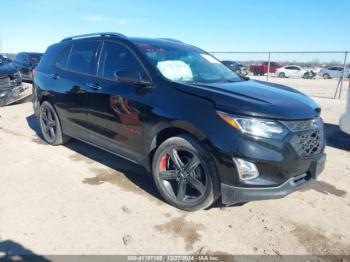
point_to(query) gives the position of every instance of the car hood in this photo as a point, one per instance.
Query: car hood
(256, 98)
(7, 69)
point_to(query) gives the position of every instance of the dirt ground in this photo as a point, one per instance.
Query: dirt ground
(76, 199)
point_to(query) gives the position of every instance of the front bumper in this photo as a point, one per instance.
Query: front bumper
(234, 194)
(14, 94)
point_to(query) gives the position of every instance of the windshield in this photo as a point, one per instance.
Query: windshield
(3, 60)
(183, 63)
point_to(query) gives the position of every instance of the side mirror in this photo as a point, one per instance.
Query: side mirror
(132, 77)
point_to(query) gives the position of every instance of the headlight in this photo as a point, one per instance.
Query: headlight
(3, 94)
(255, 126)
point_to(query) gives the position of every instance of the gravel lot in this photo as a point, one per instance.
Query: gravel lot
(76, 199)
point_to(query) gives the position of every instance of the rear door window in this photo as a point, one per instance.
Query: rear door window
(82, 57)
(35, 59)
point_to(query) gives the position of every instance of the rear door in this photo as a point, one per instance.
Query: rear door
(117, 108)
(75, 66)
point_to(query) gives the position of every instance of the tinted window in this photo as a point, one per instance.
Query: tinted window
(25, 59)
(82, 56)
(62, 58)
(35, 59)
(19, 57)
(115, 57)
(4, 60)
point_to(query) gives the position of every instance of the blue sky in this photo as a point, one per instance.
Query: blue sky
(221, 25)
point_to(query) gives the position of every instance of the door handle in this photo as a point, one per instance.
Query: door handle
(94, 86)
(54, 76)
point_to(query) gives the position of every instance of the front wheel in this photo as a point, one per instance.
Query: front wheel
(50, 125)
(184, 174)
(307, 75)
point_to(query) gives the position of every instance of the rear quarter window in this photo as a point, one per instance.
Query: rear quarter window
(48, 58)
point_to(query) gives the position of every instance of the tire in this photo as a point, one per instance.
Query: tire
(306, 75)
(349, 77)
(186, 186)
(50, 125)
(282, 75)
(325, 76)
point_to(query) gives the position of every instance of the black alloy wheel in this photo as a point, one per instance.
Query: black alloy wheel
(50, 125)
(184, 175)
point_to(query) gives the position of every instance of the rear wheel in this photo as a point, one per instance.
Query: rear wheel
(184, 174)
(50, 125)
(326, 76)
(282, 75)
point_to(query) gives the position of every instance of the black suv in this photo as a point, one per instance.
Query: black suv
(236, 67)
(202, 130)
(25, 63)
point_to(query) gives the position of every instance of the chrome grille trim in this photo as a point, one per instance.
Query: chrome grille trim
(303, 125)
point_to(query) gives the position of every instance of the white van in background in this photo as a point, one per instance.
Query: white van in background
(344, 122)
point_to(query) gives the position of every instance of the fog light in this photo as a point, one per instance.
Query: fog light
(246, 170)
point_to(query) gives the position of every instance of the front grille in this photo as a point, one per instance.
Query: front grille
(310, 141)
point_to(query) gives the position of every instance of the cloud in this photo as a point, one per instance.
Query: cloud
(120, 21)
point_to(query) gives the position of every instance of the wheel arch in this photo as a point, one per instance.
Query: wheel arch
(162, 132)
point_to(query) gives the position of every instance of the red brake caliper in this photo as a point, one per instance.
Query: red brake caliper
(163, 162)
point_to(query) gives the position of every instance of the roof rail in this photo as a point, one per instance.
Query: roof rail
(105, 34)
(172, 40)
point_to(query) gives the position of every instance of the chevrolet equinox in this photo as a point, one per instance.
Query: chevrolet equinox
(202, 131)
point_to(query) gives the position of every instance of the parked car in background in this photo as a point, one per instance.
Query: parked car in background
(293, 71)
(236, 67)
(4, 59)
(261, 68)
(334, 72)
(344, 122)
(25, 63)
(198, 127)
(10, 82)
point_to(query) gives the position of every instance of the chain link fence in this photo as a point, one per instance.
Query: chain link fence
(330, 69)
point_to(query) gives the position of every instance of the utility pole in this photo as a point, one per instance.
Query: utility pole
(343, 75)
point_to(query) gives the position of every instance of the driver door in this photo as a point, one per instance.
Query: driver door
(117, 109)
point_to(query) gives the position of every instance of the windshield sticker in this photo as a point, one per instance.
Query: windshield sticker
(210, 59)
(175, 70)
